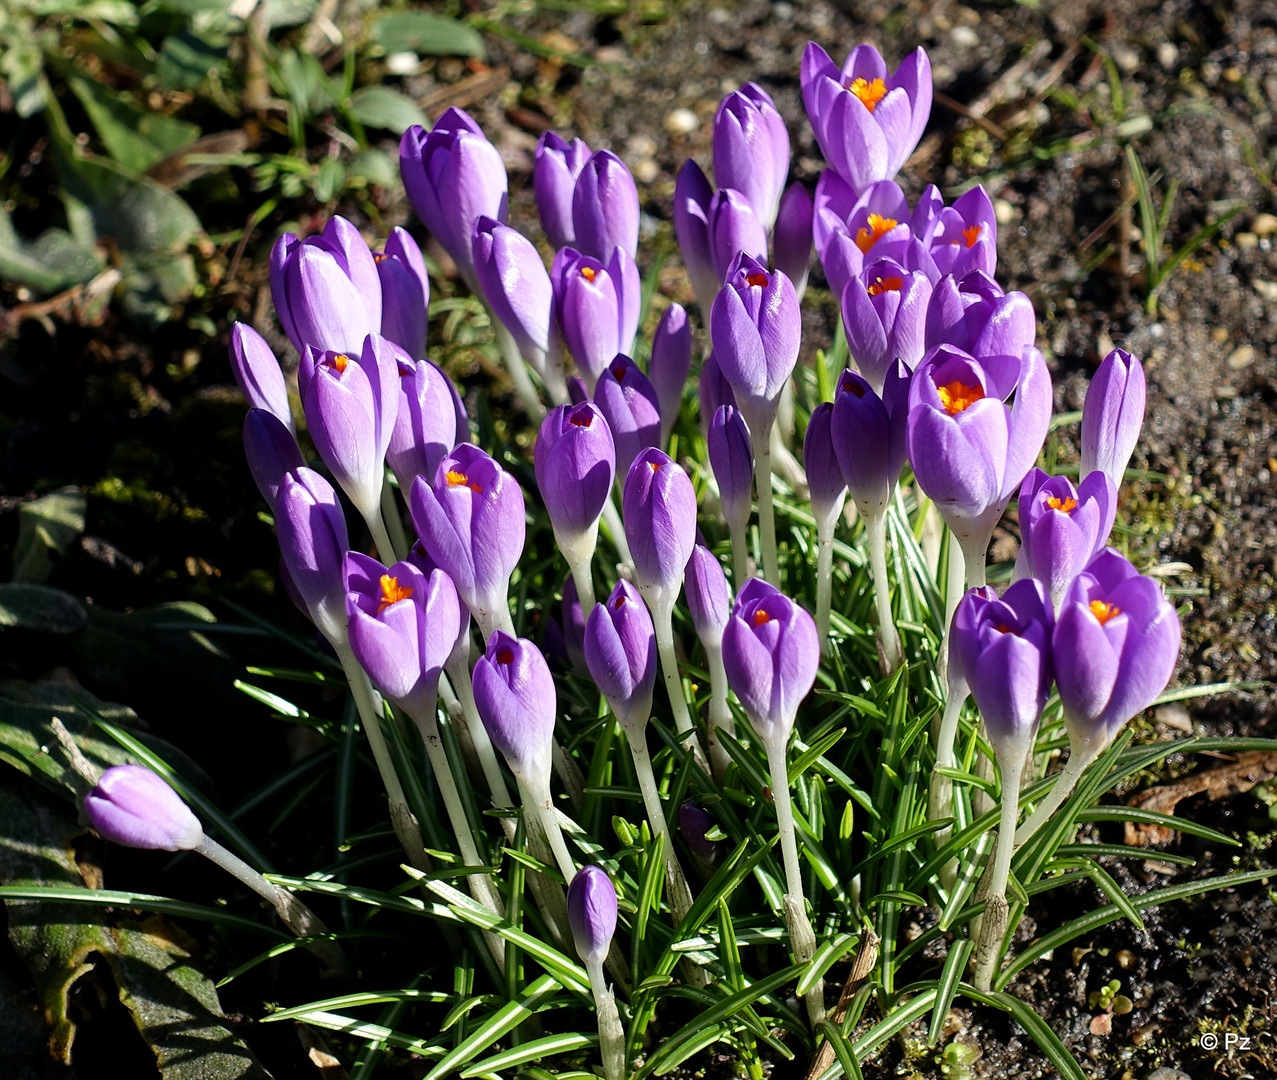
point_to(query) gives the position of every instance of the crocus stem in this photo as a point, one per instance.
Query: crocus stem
(941, 788)
(401, 819)
(876, 527)
(615, 528)
(1064, 785)
(380, 537)
(543, 806)
(954, 586)
(680, 894)
(518, 369)
(973, 557)
(459, 674)
(766, 515)
(578, 549)
(496, 618)
(394, 523)
(740, 554)
(663, 622)
(994, 924)
(611, 1034)
(824, 578)
(720, 714)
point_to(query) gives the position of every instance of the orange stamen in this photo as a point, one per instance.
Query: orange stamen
(869, 93)
(1103, 611)
(588, 272)
(761, 617)
(391, 592)
(339, 362)
(1004, 629)
(757, 279)
(879, 226)
(582, 421)
(655, 465)
(970, 235)
(460, 479)
(882, 285)
(1066, 504)
(378, 256)
(957, 396)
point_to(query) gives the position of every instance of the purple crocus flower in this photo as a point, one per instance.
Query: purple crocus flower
(259, 375)
(597, 308)
(692, 196)
(425, 422)
(1062, 527)
(849, 231)
(575, 460)
(454, 176)
(471, 521)
(771, 652)
(792, 238)
(751, 149)
(732, 459)
(419, 558)
(1115, 643)
(405, 292)
(974, 315)
(605, 208)
(734, 228)
(326, 288)
(694, 824)
(137, 808)
(514, 694)
(629, 403)
(517, 285)
(925, 219)
(351, 403)
(708, 601)
(866, 121)
(592, 913)
(557, 165)
(669, 365)
(883, 313)
(1112, 415)
(713, 391)
(620, 652)
(312, 544)
(868, 437)
(659, 510)
(964, 236)
(824, 475)
(271, 451)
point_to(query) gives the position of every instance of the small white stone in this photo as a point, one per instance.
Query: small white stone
(646, 170)
(402, 63)
(641, 146)
(963, 37)
(1264, 224)
(1167, 55)
(1241, 357)
(681, 122)
(1127, 60)
(1003, 212)
(1268, 290)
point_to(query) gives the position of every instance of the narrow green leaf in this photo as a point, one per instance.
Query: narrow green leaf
(1047, 1040)
(842, 1049)
(828, 954)
(533, 1051)
(1113, 891)
(1151, 817)
(498, 1024)
(351, 1001)
(950, 975)
(1121, 851)
(358, 1029)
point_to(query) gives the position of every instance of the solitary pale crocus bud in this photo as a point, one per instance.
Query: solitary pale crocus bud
(605, 208)
(824, 476)
(312, 544)
(596, 307)
(628, 401)
(558, 163)
(454, 176)
(669, 365)
(884, 312)
(1062, 527)
(732, 460)
(271, 451)
(792, 239)
(694, 823)
(514, 693)
(259, 374)
(1112, 415)
(659, 508)
(734, 228)
(866, 121)
(137, 808)
(751, 149)
(692, 195)
(425, 428)
(965, 235)
(974, 315)
(708, 602)
(405, 292)
(868, 437)
(851, 230)
(575, 462)
(592, 913)
(771, 653)
(620, 652)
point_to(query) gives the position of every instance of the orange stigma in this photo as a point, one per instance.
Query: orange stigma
(588, 272)
(378, 256)
(758, 279)
(970, 236)
(882, 285)
(582, 421)
(1103, 611)
(1065, 504)
(869, 92)
(620, 603)
(391, 592)
(460, 479)
(956, 396)
(850, 386)
(505, 656)
(339, 361)
(1004, 629)
(618, 372)
(879, 226)
(655, 465)
(761, 617)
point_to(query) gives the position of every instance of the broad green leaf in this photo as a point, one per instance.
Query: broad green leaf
(46, 528)
(427, 35)
(137, 138)
(54, 261)
(386, 107)
(38, 607)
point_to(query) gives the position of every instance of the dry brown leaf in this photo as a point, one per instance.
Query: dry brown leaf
(1235, 778)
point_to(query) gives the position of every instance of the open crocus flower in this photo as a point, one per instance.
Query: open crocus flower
(1062, 527)
(866, 121)
(558, 164)
(405, 292)
(964, 236)
(751, 149)
(884, 310)
(596, 307)
(1113, 414)
(850, 231)
(976, 316)
(629, 403)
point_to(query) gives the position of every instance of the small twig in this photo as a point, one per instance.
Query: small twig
(865, 960)
(996, 130)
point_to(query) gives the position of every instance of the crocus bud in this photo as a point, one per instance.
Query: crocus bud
(575, 461)
(965, 235)
(850, 230)
(454, 176)
(596, 307)
(884, 311)
(868, 436)
(517, 285)
(925, 219)
(659, 509)
(578, 392)
(326, 288)
(692, 195)
(271, 451)
(1115, 646)
(1112, 415)
(1062, 527)
(592, 913)
(136, 808)
(732, 459)
(824, 476)
(694, 823)
(751, 149)
(405, 292)
(558, 163)
(620, 652)
(974, 315)
(471, 521)
(708, 601)
(756, 327)
(792, 239)
(605, 208)
(734, 229)
(669, 365)
(425, 422)
(713, 392)
(771, 652)
(514, 694)
(866, 122)
(628, 401)
(312, 544)
(259, 375)
(351, 402)
(966, 616)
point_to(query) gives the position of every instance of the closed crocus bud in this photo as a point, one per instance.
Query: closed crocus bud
(405, 292)
(963, 638)
(792, 239)
(351, 402)
(517, 285)
(592, 913)
(271, 451)
(713, 391)
(596, 308)
(620, 652)
(756, 327)
(605, 208)
(734, 228)
(868, 436)
(259, 375)
(514, 694)
(732, 459)
(925, 219)
(1115, 646)
(454, 176)
(558, 163)
(694, 823)
(659, 509)
(1112, 415)
(771, 652)
(866, 121)
(824, 476)
(669, 365)
(471, 521)
(1062, 527)
(575, 461)
(974, 315)
(692, 196)
(136, 808)
(851, 230)
(628, 401)
(751, 149)
(970, 451)
(965, 235)
(425, 428)
(884, 312)
(578, 392)
(708, 602)
(312, 544)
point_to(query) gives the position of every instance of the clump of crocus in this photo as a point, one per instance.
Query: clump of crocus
(628, 400)
(259, 375)
(592, 912)
(732, 460)
(1115, 644)
(596, 306)
(710, 606)
(1062, 527)
(828, 493)
(1112, 415)
(669, 364)
(771, 653)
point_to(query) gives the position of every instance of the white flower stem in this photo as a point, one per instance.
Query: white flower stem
(380, 537)
(973, 557)
(876, 527)
(615, 528)
(611, 1034)
(941, 788)
(663, 622)
(579, 553)
(720, 713)
(766, 514)
(543, 807)
(680, 894)
(1064, 785)
(393, 521)
(955, 585)
(518, 369)
(824, 578)
(993, 925)
(740, 552)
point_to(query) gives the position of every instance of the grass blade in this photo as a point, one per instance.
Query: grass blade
(950, 975)
(533, 1051)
